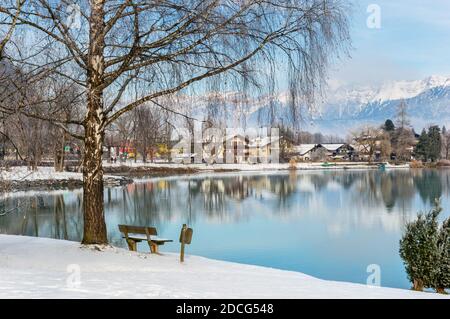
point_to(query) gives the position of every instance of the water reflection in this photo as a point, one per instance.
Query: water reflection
(298, 220)
(216, 198)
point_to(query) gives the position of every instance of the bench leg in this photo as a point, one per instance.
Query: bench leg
(153, 248)
(132, 245)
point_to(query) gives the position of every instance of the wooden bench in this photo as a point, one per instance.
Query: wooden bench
(136, 234)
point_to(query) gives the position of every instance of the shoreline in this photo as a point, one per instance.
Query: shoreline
(39, 268)
(45, 178)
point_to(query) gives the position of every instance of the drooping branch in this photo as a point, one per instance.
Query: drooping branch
(175, 45)
(9, 33)
(184, 84)
(13, 145)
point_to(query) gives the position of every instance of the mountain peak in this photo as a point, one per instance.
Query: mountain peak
(437, 80)
(390, 90)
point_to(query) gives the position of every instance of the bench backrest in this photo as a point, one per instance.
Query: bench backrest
(129, 229)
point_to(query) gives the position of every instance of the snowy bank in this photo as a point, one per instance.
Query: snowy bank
(248, 167)
(19, 177)
(16, 173)
(47, 268)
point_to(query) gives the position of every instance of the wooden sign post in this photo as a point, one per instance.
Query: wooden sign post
(185, 238)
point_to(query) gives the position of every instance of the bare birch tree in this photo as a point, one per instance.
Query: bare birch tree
(168, 48)
(9, 16)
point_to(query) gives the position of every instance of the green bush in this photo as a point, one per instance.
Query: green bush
(422, 249)
(442, 280)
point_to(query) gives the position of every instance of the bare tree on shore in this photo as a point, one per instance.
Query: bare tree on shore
(403, 136)
(104, 47)
(149, 130)
(9, 16)
(370, 140)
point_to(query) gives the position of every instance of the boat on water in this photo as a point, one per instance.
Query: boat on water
(326, 164)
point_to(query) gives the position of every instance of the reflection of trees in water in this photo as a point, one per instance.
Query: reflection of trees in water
(397, 189)
(217, 192)
(392, 188)
(320, 181)
(143, 208)
(445, 178)
(284, 187)
(45, 216)
(156, 202)
(429, 184)
(60, 217)
(346, 180)
(147, 203)
(366, 188)
(208, 193)
(142, 204)
(213, 193)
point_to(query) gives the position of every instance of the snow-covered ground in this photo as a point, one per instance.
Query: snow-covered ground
(22, 173)
(42, 173)
(47, 268)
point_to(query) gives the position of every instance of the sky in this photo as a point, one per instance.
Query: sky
(412, 43)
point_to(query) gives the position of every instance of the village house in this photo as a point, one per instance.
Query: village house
(303, 152)
(239, 151)
(332, 151)
(237, 145)
(237, 148)
(262, 149)
(341, 151)
(234, 149)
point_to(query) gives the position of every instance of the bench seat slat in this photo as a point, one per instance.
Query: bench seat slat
(144, 237)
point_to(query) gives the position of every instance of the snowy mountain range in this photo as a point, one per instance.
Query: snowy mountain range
(349, 107)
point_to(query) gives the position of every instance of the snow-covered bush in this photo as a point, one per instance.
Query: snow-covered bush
(418, 249)
(442, 280)
(425, 250)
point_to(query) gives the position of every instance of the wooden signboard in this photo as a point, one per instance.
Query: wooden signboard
(185, 238)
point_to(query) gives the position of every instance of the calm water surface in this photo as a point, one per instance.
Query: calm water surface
(329, 224)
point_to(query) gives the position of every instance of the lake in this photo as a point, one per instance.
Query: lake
(328, 224)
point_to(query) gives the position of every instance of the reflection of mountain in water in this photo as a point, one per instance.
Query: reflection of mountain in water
(339, 199)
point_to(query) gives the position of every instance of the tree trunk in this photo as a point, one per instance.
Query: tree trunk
(59, 154)
(109, 154)
(441, 291)
(63, 152)
(56, 157)
(418, 285)
(94, 217)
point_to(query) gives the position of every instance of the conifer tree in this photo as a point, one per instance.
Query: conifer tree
(389, 126)
(418, 249)
(442, 281)
(422, 146)
(434, 143)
